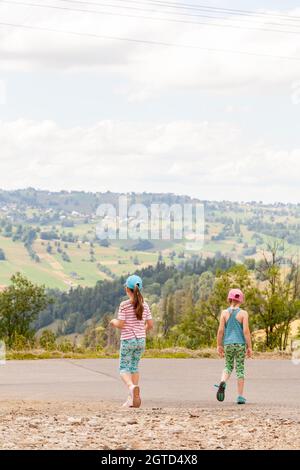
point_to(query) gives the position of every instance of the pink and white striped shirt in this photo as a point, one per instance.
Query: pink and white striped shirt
(133, 328)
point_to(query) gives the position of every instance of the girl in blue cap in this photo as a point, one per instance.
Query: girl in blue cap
(134, 320)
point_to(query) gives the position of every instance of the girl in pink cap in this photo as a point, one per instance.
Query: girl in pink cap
(234, 342)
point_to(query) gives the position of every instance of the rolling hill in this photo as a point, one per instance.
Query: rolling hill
(51, 237)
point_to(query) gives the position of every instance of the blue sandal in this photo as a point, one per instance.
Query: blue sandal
(221, 391)
(241, 400)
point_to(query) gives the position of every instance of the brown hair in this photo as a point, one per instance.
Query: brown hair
(138, 302)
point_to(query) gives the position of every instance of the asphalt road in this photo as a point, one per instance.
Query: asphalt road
(165, 382)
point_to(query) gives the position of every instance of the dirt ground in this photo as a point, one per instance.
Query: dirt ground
(106, 426)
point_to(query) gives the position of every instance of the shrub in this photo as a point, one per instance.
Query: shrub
(48, 340)
(21, 343)
(65, 346)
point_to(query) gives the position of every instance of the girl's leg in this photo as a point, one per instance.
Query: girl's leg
(240, 368)
(136, 357)
(240, 386)
(125, 363)
(127, 379)
(229, 362)
(225, 376)
(135, 378)
(130, 354)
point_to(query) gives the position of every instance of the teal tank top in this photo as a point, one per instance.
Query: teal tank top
(234, 333)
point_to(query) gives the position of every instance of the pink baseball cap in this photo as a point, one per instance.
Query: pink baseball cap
(236, 294)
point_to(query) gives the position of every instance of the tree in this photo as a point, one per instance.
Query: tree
(237, 227)
(136, 261)
(237, 276)
(250, 264)
(189, 332)
(48, 340)
(20, 304)
(199, 322)
(142, 245)
(65, 257)
(96, 337)
(206, 284)
(105, 243)
(73, 323)
(279, 302)
(49, 235)
(169, 314)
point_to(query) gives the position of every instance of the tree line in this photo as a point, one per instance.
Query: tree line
(186, 302)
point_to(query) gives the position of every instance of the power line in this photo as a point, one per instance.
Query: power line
(148, 42)
(193, 15)
(148, 17)
(195, 7)
(233, 11)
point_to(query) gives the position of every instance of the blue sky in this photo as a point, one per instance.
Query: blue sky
(80, 113)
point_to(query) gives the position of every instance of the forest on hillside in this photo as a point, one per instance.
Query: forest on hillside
(50, 240)
(51, 237)
(186, 302)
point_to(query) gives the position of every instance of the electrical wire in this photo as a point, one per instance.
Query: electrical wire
(197, 7)
(129, 7)
(147, 42)
(209, 24)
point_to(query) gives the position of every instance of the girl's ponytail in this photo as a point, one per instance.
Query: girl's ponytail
(138, 302)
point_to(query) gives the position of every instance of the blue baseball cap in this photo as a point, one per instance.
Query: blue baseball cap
(133, 281)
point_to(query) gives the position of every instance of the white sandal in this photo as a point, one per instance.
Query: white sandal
(135, 394)
(128, 403)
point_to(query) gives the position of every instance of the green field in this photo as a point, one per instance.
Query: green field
(83, 261)
(53, 271)
(17, 259)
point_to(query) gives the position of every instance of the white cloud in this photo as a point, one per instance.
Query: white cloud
(26, 50)
(212, 160)
(199, 158)
(152, 69)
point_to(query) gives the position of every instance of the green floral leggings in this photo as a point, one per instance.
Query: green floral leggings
(235, 352)
(131, 351)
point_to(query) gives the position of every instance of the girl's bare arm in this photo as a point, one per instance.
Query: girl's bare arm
(247, 333)
(117, 323)
(220, 335)
(149, 325)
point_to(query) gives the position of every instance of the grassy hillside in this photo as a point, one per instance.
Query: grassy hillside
(72, 255)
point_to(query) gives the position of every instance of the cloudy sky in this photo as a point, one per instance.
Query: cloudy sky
(145, 95)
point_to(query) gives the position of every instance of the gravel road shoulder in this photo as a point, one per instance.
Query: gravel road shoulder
(103, 425)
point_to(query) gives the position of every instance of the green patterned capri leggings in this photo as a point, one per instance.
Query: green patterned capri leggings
(235, 352)
(131, 351)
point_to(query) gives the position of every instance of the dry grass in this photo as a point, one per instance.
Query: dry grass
(168, 353)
